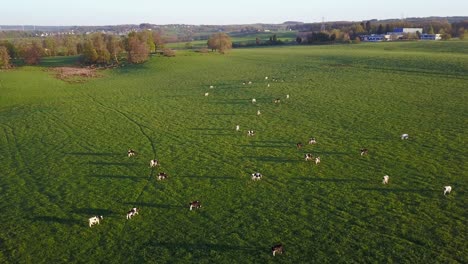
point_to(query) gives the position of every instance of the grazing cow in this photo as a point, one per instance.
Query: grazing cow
(250, 133)
(317, 160)
(162, 176)
(404, 136)
(195, 204)
(299, 145)
(268, 85)
(154, 163)
(254, 101)
(211, 86)
(256, 176)
(95, 220)
(277, 249)
(132, 212)
(249, 82)
(243, 83)
(206, 94)
(312, 141)
(266, 78)
(364, 151)
(277, 100)
(385, 179)
(131, 153)
(258, 112)
(287, 96)
(308, 156)
(448, 189)
(237, 127)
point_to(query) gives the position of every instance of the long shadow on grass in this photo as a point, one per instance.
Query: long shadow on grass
(209, 177)
(54, 219)
(108, 154)
(100, 163)
(208, 247)
(335, 180)
(154, 205)
(122, 177)
(390, 190)
(93, 211)
(272, 159)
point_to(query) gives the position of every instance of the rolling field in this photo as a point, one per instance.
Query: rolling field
(63, 158)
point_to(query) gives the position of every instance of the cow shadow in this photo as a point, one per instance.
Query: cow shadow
(209, 247)
(122, 177)
(93, 211)
(102, 154)
(273, 159)
(101, 163)
(155, 205)
(54, 219)
(209, 177)
(393, 190)
(333, 180)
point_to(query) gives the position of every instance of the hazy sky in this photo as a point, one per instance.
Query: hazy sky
(112, 12)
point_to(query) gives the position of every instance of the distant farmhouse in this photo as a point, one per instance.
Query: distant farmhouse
(400, 33)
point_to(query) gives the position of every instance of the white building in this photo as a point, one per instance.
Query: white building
(431, 37)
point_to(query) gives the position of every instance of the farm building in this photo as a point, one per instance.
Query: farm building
(375, 37)
(431, 37)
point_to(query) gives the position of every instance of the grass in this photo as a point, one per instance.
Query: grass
(63, 152)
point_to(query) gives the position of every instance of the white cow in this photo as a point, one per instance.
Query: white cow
(154, 163)
(287, 96)
(268, 85)
(448, 189)
(206, 94)
(256, 176)
(404, 136)
(258, 112)
(249, 82)
(132, 212)
(385, 179)
(266, 78)
(254, 100)
(95, 220)
(211, 86)
(317, 160)
(237, 127)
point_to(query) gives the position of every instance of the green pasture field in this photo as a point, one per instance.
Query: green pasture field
(63, 152)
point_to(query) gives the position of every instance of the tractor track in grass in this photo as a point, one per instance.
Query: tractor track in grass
(131, 120)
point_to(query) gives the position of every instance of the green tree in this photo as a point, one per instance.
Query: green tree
(220, 42)
(4, 58)
(387, 28)
(90, 55)
(50, 46)
(380, 29)
(431, 30)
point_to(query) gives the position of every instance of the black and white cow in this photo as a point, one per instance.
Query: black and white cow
(162, 176)
(404, 136)
(312, 141)
(154, 163)
(250, 133)
(257, 176)
(308, 156)
(277, 249)
(195, 204)
(131, 153)
(364, 151)
(95, 220)
(277, 101)
(317, 160)
(132, 212)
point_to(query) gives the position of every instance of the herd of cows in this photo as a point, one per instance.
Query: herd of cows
(256, 176)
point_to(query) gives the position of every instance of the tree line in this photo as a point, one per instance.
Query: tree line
(94, 49)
